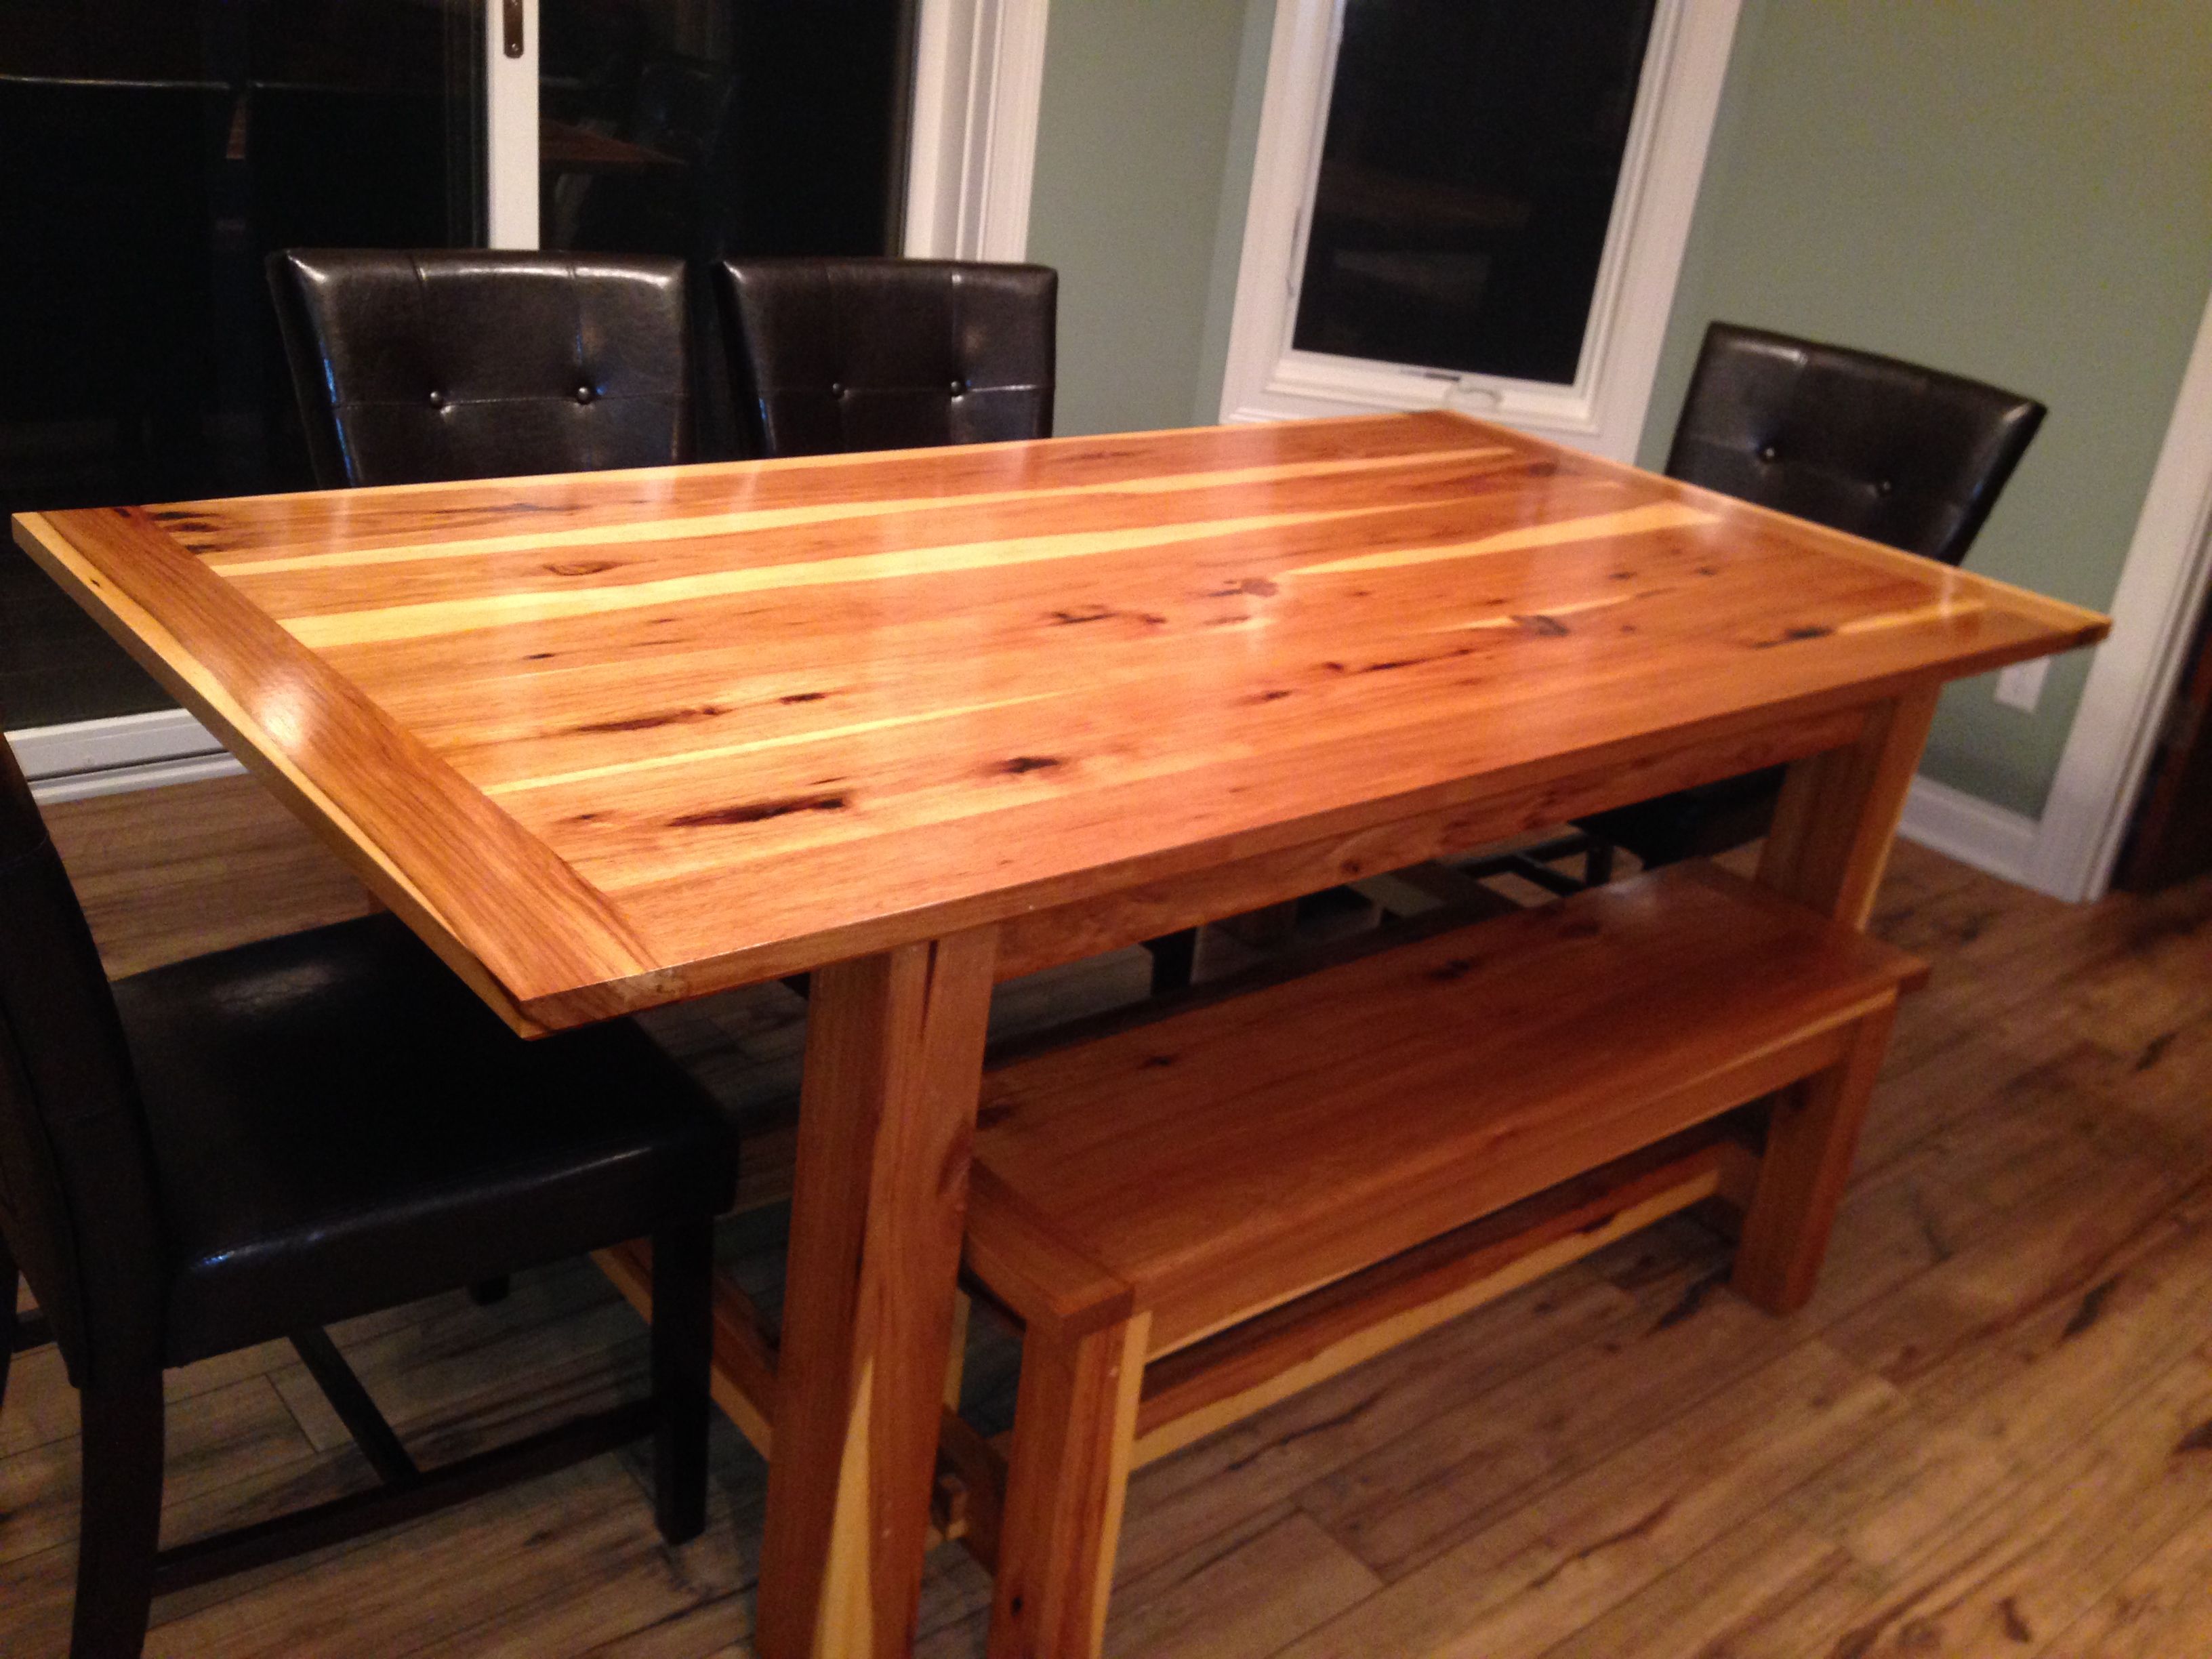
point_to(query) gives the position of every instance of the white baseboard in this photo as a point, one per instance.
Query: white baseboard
(1969, 829)
(85, 758)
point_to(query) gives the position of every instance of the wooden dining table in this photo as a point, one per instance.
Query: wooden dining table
(917, 722)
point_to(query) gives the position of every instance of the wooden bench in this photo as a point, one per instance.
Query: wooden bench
(1194, 1217)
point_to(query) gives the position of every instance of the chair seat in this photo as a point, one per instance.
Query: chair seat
(1223, 1160)
(339, 1125)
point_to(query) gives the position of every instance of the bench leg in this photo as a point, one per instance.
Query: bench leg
(1810, 1140)
(1075, 1423)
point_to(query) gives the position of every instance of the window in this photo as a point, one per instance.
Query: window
(1473, 202)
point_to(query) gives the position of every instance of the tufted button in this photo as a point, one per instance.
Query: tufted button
(1884, 487)
(585, 394)
(1768, 452)
(437, 399)
(959, 388)
(836, 388)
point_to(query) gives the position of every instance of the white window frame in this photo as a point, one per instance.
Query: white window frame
(1677, 100)
(978, 85)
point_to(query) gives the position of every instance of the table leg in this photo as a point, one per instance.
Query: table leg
(1839, 810)
(1827, 850)
(887, 1117)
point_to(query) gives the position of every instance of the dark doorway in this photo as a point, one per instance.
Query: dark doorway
(2171, 839)
(154, 150)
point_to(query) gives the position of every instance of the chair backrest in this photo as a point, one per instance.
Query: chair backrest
(831, 356)
(77, 1204)
(416, 366)
(1884, 449)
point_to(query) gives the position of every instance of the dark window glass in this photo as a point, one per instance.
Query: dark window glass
(709, 128)
(714, 127)
(1467, 180)
(151, 152)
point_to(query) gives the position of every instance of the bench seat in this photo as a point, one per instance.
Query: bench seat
(1246, 1193)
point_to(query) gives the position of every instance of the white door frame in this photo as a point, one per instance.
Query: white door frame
(1678, 98)
(2154, 609)
(978, 87)
(512, 182)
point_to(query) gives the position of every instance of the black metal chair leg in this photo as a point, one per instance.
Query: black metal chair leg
(1174, 955)
(1597, 864)
(683, 1357)
(121, 1518)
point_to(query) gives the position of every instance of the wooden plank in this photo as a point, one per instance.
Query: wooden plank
(146, 876)
(1520, 1586)
(2156, 1610)
(1235, 1156)
(2020, 1558)
(1838, 812)
(720, 723)
(1026, 1263)
(1191, 1393)
(432, 848)
(2003, 1182)
(887, 1114)
(1811, 1135)
(1039, 938)
(743, 1380)
(1069, 1475)
(971, 1489)
(1245, 1601)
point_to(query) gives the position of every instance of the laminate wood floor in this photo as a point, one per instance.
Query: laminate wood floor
(1991, 1433)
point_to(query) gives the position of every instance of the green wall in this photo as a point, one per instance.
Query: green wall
(2018, 190)
(1139, 190)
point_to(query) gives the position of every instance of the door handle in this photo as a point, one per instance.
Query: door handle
(511, 30)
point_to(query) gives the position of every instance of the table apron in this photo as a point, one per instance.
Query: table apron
(1067, 933)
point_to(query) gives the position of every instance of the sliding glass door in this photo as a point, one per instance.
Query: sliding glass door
(706, 128)
(153, 152)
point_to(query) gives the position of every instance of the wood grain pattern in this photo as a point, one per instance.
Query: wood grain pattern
(1838, 816)
(1192, 1393)
(895, 1043)
(1291, 1181)
(2024, 1247)
(1067, 1482)
(1237, 1155)
(742, 1381)
(1810, 1140)
(610, 741)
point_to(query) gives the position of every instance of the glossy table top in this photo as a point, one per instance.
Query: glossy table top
(611, 740)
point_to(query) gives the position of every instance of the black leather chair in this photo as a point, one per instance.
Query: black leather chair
(413, 367)
(832, 356)
(418, 366)
(1884, 449)
(257, 1143)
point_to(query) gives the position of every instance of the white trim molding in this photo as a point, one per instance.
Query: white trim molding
(1677, 102)
(1968, 829)
(125, 751)
(512, 181)
(2132, 679)
(979, 85)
